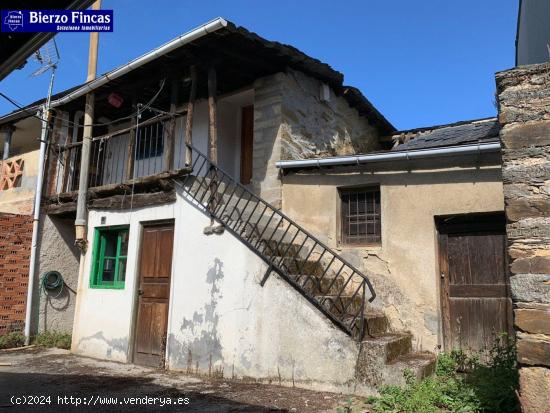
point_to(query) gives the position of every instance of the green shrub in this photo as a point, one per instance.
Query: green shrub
(461, 384)
(11, 340)
(53, 339)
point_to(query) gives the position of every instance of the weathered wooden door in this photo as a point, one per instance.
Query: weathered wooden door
(153, 295)
(474, 285)
(247, 139)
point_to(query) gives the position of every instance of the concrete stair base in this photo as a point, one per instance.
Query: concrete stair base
(383, 360)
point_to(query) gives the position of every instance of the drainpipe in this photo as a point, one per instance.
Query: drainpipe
(37, 199)
(7, 141)
(80, 221)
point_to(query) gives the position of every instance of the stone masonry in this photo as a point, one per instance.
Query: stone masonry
(524, 112)
(15, 249)
(291, 121)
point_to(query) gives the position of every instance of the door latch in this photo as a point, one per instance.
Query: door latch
(442, 275)
(140, 292)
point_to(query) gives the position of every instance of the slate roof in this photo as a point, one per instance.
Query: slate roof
(461, 133)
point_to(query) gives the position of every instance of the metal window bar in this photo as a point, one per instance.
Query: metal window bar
(236, 207)
(361, 216)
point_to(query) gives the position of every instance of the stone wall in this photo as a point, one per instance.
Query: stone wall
(15, 249)
(291, 121)
(524, 100)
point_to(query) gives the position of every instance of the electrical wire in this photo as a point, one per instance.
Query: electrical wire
(71, 123)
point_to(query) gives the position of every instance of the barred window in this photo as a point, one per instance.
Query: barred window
(360, 218)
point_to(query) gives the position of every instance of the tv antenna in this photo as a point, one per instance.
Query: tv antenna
(47, 57)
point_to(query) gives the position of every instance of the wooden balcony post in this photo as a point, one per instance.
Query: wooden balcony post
(131, 146)
(189, 117)
(212, 115)
(171, 129)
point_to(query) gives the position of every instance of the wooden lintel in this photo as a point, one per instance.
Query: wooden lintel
(161, 181)
(127, 201)
(60, 209)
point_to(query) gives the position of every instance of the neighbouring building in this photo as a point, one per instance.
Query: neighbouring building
(524, 112)
(533, 32)
(18, 174)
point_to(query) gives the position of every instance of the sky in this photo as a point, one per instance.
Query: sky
(421, 63)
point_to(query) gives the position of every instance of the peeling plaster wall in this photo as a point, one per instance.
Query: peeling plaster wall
(221, 320)
(403, 268)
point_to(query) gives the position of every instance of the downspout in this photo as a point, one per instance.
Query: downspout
(37, 200)
(80, 221)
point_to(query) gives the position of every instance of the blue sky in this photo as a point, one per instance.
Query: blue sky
(421, 62)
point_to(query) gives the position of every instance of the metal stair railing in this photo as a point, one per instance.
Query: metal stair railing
(328, 281)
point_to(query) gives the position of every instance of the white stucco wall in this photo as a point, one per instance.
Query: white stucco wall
(219, 313)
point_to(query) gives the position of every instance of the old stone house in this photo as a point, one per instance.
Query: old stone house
(247, 214)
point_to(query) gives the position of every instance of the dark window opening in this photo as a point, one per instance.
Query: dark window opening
(150, 142)
(360, 218)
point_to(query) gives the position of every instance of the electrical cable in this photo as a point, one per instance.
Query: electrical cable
(71, 123)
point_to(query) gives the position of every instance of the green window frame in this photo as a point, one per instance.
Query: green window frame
(109, 257)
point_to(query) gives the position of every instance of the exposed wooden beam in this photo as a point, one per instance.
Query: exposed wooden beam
(189, 117)
(131, 146)
(212, 117)
(171, 129)
(128, 201)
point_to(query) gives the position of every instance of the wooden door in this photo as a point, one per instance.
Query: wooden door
(475, 300)
(247, 138)
(153, 295)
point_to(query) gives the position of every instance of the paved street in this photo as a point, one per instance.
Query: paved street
(93, 383)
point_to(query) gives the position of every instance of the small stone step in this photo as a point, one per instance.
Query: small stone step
(388, 346)
(377, 324)
(319, 285)
(341, 305)
(278, 249)
(298, 266)
(420, 364)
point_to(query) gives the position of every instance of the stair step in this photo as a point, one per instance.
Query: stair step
(341, 305)
(420, 364)
(317, 285)
(275, 249)
(297, 266)
(377, 324)
(389, 346)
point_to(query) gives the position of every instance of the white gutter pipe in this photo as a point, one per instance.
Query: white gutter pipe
(36, 216)
(168, 47)
(392, 156)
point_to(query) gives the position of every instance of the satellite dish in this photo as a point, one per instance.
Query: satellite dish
(47, 57)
